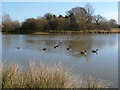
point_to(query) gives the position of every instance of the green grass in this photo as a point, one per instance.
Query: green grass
(43, 76)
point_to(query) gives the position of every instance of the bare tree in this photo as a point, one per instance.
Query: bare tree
(42, 24)
(79, 14)
(63, 24)
(8, 24)
(15, 25)
(97, 19)
(49, 16)
(113, 23)
(90, 11)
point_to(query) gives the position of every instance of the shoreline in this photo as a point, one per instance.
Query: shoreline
(112, 31)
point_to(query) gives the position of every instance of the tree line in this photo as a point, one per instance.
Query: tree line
(76, 19)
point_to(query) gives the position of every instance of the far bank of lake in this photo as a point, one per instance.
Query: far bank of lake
(115, 30)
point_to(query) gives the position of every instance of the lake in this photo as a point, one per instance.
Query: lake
(103, 65)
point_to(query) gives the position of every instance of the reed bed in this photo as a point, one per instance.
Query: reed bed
(43, 76)
(81, 31)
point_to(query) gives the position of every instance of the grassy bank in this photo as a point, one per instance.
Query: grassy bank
(43, 76)
(86, 31)
(66, 32)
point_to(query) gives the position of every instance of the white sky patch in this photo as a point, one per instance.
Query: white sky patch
(111, 15)
(59, 0)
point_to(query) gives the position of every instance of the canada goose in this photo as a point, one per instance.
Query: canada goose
(83, 52)
(68, 48)
(45, 49)
(95, 51)
(56, 46)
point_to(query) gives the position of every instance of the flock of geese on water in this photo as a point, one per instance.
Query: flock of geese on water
(68, 48)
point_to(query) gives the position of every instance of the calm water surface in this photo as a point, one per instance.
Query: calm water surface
(103, 65)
